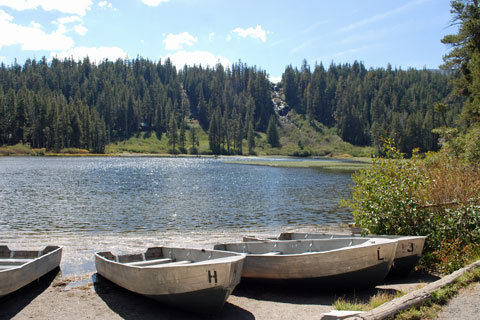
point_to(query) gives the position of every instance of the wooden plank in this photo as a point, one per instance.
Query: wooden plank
(413, 299)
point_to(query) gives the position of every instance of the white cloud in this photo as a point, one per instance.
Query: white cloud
(79, 7)
(70, 19)
(105, 4)
(229, 37)
(257, 33)
(153, 3)
(32, 37)
(95, 54)
(204, 58)
(80, 29)
(36, 24)
(176, 41)
(211, 35)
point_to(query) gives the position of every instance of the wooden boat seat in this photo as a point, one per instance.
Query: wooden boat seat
(152, 262)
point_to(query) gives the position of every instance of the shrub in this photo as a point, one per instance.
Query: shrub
(438, 196)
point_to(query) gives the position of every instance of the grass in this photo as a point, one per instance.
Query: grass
(150, 143)
(357, 305)
(299, 135)
(353, 165)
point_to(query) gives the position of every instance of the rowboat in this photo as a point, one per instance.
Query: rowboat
(409, 248)
(20, 267)
(333, 263)
(196, 279)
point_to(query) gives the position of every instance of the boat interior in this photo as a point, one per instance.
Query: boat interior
(162, 256)
(299, 236)
(14, 258)
(294, 246)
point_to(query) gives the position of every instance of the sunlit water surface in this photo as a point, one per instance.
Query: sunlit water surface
(130, 203)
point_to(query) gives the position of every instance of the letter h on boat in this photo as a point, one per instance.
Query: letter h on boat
(214, 276)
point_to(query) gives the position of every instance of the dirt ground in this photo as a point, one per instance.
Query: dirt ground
(93, 297)
(465, 306)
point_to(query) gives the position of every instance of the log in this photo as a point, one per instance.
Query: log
(412, 299)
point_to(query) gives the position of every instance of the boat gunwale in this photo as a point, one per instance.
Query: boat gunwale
(232, 258)
(32, 260)
(342, 236)
(366, 244)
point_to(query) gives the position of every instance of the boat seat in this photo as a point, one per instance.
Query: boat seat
(180, 262)
(272, 253)
(4, 267)
(14, 261)
(145, 263)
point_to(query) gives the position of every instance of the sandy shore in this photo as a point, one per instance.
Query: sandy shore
(93, 297)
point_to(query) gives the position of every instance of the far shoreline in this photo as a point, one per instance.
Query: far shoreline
(341, 162)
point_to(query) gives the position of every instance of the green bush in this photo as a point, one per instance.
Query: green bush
(438, 196)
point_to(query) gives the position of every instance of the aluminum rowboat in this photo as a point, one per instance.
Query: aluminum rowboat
(354, 262)
(20, 267)
(193, 279)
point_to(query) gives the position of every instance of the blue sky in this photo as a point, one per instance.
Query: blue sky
(266, 33)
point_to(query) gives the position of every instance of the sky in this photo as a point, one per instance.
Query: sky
(267, 34)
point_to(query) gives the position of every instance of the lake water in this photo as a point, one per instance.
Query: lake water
(130, 203)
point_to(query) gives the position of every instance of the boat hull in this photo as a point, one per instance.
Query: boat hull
(329, 263)
(203, 285)
(409, 249)
(41, 262)
(363, 278)
(210, 300)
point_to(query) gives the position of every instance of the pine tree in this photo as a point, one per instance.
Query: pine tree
(214, 138)
(182, 137)
(172, 134)
(194, 140)
(272, 133)
(251, 139)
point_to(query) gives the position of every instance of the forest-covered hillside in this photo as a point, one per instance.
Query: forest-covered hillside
(68, 104)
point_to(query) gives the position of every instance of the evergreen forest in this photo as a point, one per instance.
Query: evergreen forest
(79, 104)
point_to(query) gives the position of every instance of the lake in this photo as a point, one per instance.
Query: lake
(129, 203)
